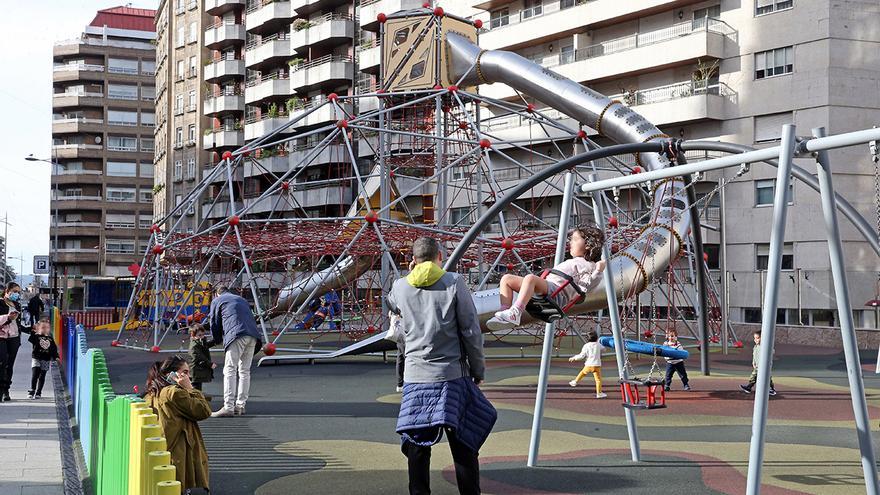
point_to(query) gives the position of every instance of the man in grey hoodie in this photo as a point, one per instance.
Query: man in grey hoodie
(232, 323)
(443, 347)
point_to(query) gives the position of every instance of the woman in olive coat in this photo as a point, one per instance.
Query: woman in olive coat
(179, 406)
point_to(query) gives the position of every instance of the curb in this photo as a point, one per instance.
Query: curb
(69, 466)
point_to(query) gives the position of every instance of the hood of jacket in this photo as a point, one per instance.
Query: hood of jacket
(425, 274)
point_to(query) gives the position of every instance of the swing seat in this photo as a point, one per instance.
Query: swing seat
(544, 307)
(654, 399)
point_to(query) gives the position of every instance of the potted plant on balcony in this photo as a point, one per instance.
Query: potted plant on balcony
(295, 61)
(702, 75)
(272, 110)
(628, 95)
(300, 24)
(293, 103)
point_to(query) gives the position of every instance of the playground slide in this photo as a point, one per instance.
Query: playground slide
(632, 267)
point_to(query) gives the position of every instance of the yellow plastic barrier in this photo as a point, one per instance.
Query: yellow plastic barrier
(162, 473)
(137, 409)
(168, 488)
(147, 431)
(136, 440)
(154, 458)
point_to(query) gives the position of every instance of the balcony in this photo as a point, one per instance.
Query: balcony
(267, 15)
(259, 126)
(369, 56)
(679, 44)
(85, 99)
(77, 125)
(224, 103)
(74, 203)
(372, 8)
(223, 138)
(220, 7)
(77, 72)
(303, 195)
(223, 68)
(77, 150)
(306, 156)
(326, 70)
(223, 34)
(77, 229)
(681, 103)
(274, 48)
(272, 86)
(326, 31)
(561, 18)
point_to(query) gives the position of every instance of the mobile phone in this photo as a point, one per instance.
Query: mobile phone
(172, 377)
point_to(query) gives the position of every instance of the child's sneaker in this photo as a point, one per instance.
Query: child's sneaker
(38, 395)
(600, 395)
(687, 388)
(745, 388)
(573, 383)
(772, 391)
(503, 320)
(666, 389)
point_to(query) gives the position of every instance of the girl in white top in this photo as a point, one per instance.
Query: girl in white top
(585, 268)
(591, 353)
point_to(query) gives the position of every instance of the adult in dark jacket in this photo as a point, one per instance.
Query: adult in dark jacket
(36, 306)
(232, 323)
(443, 365)
(10, 341)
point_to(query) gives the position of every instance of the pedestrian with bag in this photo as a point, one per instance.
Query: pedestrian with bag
(233, 323)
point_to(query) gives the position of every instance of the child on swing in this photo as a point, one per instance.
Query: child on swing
(584, 267)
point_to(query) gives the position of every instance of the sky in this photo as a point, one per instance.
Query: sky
(28, 31)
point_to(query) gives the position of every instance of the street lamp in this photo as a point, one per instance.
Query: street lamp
(55, 221)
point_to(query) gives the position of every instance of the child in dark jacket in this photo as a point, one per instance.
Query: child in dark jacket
(45, 351)
(201, 367)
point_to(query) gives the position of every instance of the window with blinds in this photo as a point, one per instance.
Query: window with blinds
(768, 128)
(769, 6)
(119, 221)
(774, 62)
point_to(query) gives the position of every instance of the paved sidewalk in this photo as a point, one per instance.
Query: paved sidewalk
(29, 444)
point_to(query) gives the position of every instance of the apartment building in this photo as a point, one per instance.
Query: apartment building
(184, 32)
(102, 143)
(725, 70)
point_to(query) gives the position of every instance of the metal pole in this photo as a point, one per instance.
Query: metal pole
(847, 328)
(699, 269)
(725, 283)
(550, 328)
(614, 316)
(768, 316)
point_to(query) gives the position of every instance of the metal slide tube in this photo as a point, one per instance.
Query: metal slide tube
(847, 329)
(614, 316)
(768, 316)
(550, 328)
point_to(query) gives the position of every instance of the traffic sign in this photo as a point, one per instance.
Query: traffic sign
(41, 265)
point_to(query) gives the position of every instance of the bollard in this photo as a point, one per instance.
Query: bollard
(168, 488)
(135, 441)
(166, 472)
(154, 458)
(153, 444)
(147, 431)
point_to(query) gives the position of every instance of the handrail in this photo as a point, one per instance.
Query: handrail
(326, 59)
(675, 91)
(223, 22)
(367, 45)
(250, 83)
(259, 4)
(89, 67)
(332, 16)
(259, 41)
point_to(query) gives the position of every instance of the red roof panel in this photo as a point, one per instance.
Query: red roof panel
(126, 18)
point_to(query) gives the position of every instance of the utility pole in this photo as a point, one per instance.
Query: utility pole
(5, 243)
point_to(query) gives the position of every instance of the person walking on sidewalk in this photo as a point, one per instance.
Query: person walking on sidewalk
(44, 352)
(444, 365)
(36, 306)
(232, 323)
(10, 341)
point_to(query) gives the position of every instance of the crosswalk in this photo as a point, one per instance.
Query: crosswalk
(234, 447)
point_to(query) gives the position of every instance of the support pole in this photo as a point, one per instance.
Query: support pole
(768, 316)
(697, 236)
(847, 328)
(550, 328)
(614, 316)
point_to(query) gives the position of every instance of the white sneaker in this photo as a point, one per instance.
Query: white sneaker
(572, 383)
(399, 389)
(238, 411)
(223, 413)
(601, 396)
(503, 320)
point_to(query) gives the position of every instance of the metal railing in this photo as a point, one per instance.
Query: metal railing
(367, 45)
(102, 42)
(79, 94)
(310, 23)
(79, 67)
(122, 70)
(222, 22)
(79, 120)
(77, 147)
(326, 59)
(250, 83)
(674, 92)
(259, 41)
(256, 5)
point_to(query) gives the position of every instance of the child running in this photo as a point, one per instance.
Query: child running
(584, 268)
(753, 379)
(674, 366)
(45, 351)
(591, 353)
(201, 367)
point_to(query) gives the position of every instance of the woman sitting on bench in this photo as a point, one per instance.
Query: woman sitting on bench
(584, 269)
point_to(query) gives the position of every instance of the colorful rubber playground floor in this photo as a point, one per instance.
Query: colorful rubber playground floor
(329, 428)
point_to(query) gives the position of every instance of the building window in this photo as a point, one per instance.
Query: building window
(181, 34)
(498, 18)
(122, 66)
(148, 119)
(178, 136)
(146, 169)
(752, 315)
(768, 128)
(774, 62)
(148, 93)
(767, 6)
(713, 253)
(122, 169)
(119, 246)
(566, 54)
(122, 91)
(144, 222)
(191, 168)
(148, 67)
(762, 256)
(146, 196)
(192, 101)
(119, 221)
(148, 145)
(459, 216)
(178, 170)
(122, 117)
(193, 69)
(193, 32)
(765, 190)
(120, 194)
(181, 70)
(178, 198)
(121, 143)
(191, 134)
(178, 104)
(532, 8)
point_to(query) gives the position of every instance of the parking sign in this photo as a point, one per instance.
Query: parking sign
(41, 265)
